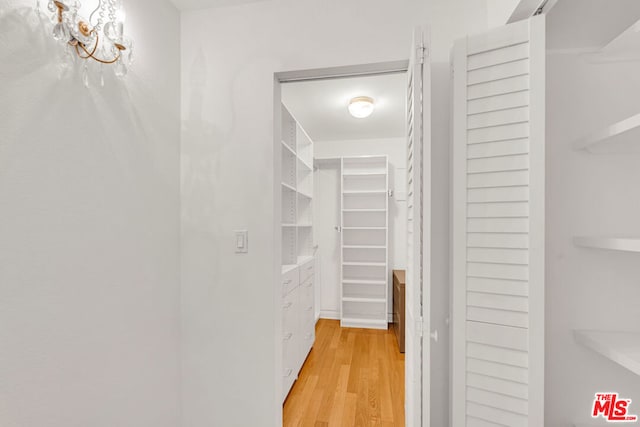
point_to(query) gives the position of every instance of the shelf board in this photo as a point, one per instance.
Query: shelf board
(629, 127)
(365, 264)
(365, 173)
(363, 282)
(288, 267)
(305, 225)
(305, 164)
(288, 225)
(625, 47)
(364, 228)
(289, 187)
(365, 192)
(306, 196)
(622, 348)
(364, 299)
(304, 258)
(627, 244)
(364, 210)
(355, 322)
(286, 146)
(363, 247)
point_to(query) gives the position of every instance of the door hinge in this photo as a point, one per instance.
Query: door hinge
(390, 193)
(419, 327)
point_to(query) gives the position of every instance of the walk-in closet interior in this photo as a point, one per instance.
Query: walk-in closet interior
(344, 211)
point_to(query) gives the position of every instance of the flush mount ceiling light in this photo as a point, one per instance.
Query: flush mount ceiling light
(361, 107)
(99, 38)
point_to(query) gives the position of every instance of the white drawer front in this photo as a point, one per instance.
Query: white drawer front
(290, 356)
(307, 294)
(290, 313)
(306, 270)
(289, 281)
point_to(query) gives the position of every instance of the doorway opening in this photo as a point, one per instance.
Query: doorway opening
(351, 218)
(343, 235)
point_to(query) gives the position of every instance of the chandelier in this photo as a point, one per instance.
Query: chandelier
(99, 38)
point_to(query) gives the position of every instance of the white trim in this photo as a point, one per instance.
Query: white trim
(277, 254)
(318, 74)
(426, 229)
(537, 108)
(345, 71)
(458, 236)
(329, 314)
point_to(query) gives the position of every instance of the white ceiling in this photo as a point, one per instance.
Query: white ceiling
(589, 24)
(320, 106)
(203, 4)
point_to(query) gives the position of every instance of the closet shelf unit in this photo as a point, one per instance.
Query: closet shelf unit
(627, 130)
(626, 244)
(298, 313)
(620, 347)
(364, 238)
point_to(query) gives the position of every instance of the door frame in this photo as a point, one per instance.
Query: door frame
(370, 69)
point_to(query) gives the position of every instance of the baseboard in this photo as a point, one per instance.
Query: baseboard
(335, 315)
(330, 314)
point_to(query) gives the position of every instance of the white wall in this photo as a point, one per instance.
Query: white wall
(588, 195)
(326, 216)
(229, 56)
(395, 148)
(89, 236)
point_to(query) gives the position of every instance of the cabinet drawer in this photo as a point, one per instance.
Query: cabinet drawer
(290, 360)
(307, 294)
(306, 270)
(307, 338)
(288, 371)
(290, 309)
(289, 281)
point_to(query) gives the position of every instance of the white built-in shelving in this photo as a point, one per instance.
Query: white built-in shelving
(364, 242)
(298, 311)
(627, 244)
(297, 191)
(620, 347)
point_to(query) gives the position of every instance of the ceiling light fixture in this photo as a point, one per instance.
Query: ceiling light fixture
(99, 38)
(361, 107)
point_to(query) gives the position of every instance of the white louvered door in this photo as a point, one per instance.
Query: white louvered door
(417, 346)
(498, 227)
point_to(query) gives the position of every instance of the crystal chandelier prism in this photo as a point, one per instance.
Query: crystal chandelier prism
(99, 38)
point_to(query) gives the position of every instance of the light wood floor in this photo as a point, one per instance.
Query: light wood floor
(352, 378)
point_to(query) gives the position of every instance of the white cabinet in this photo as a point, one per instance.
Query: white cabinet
(298, 310)
(298, 321)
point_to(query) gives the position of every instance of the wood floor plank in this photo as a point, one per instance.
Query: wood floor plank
(352, 377)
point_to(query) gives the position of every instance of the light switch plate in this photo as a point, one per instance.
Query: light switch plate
(241, 241)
